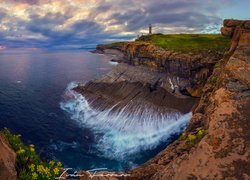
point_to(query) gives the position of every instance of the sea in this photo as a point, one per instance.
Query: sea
(37, 102)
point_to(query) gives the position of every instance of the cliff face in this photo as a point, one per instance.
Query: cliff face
(7, 160)
(216, 144)
(188, 72)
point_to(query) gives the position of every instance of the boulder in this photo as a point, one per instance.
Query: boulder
(227, 31)
(232, 23)
(247, 24)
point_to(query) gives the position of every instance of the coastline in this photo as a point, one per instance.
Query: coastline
(201, 146)
(215, 140)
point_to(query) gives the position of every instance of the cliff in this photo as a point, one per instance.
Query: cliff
(187, 70)
(7, 160)
(216, 143)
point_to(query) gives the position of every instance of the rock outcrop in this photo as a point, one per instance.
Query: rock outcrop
(7, 160)
(216, 144)
(187, 71)
(122, 87)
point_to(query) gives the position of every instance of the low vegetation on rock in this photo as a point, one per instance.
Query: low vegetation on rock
(29, 165)
(192, 139)
(214, 79)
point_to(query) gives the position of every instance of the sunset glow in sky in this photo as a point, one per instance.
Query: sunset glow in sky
(85, 23)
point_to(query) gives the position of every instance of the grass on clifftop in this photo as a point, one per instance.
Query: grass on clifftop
(188, 42)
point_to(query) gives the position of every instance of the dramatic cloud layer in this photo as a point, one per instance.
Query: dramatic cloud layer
(84, 23)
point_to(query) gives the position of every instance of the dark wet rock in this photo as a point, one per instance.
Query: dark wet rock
(97, 51)
(133, 86)
(116, 60)
(106, 95)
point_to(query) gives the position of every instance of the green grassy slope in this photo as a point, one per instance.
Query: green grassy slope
(188, 42)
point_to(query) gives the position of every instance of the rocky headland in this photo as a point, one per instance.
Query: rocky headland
(215, 144)
(151, 75)
(222, 116)
(186, 73)
(214, 85)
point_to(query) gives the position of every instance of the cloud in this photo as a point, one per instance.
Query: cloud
(84, 23)
(25, 1)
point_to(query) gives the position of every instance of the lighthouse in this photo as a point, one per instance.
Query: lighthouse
(150, 29)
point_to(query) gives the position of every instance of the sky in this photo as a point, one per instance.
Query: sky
(74, 24)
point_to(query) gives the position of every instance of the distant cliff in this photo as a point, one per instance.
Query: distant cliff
(186, 70)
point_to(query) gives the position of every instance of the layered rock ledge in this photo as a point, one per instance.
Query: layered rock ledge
(188, 72)
(131, 86)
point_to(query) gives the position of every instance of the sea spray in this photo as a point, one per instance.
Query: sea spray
(123, 133)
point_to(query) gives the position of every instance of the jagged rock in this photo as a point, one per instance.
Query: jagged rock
(227, 31)
(7, 160)
(247, 24)
(234, 29)
(232, 23)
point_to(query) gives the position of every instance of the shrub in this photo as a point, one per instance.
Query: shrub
(182, 137)
(200, 133)
(29, 164)
(214, 79)
(217, 65)
(192, 139)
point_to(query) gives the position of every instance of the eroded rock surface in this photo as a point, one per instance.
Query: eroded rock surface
(133, 86)
(7, 160)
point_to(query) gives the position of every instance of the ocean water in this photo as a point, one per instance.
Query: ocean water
(37, 101)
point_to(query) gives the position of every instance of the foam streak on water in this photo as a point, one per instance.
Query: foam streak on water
(124, 133)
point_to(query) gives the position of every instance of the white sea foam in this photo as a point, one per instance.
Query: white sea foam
(124, 133)
(113, 63)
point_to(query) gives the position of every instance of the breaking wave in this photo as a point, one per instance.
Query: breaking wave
(122, 134)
